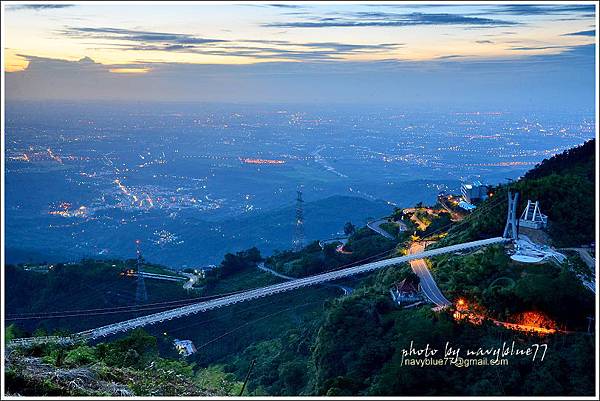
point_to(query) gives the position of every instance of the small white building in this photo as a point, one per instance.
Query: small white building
(474, 192)
(466, 206)
(184, 347)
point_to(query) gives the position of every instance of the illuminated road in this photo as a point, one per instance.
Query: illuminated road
(192, 279)
(376, 226)
(261, 266)
(428, 285)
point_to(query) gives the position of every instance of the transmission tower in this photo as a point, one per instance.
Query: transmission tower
(298, 243)
(141, 295)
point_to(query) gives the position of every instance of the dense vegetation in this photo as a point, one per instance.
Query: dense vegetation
(355, 347)
(361, 245)
(89, 284)
(579, 161)
(231, 265)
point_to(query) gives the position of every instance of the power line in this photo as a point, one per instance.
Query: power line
(253, 321)
(483, 210)
(120, 309)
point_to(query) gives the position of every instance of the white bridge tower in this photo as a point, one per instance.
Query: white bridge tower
(511, 230)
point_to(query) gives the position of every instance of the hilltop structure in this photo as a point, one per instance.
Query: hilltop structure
(532, 216)
(474, 192)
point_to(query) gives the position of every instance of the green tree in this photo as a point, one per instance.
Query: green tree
(11, 332)
(349, 228)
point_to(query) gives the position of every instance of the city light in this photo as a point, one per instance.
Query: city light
(262, 161)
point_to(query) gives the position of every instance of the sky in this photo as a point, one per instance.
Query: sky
(492, 55)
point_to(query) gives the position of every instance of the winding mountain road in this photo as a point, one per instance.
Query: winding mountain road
(428, 284)
(375, 225)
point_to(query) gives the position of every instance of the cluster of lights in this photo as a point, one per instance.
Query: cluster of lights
(64, 210)
(43, 155)
(501, 164)
(24, 158)
(262, 161)
(529, 322)
(53, 156)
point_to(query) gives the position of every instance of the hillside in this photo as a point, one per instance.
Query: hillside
(89, 284)
(315, 341)
(565, 187)
(126, 367)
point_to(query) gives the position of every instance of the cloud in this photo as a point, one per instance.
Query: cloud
(591, 32)
(38, 7)
(384, 19)
(451, 57)
(564, 80)
(527, 9)
(136, 36)
(281, 5)
(274, 5)
(483, 41)
(126, 39)
(305, 51)
(578, 55)
(539, 47)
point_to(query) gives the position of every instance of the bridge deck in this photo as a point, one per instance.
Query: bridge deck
(255, 293)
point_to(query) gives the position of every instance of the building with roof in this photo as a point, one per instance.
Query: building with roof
(406, 291)
(184, 347)
(466, 206)
(474, 192)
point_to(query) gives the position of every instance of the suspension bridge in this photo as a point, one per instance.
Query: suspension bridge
(262, 292)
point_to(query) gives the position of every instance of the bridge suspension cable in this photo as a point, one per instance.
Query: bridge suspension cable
(331, 275)
(116, 309)
(249, 295)
(483, 210)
